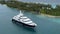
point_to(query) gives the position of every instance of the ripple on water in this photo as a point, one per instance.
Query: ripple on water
(57, 20)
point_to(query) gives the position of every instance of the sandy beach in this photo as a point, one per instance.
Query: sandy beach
(49, 15)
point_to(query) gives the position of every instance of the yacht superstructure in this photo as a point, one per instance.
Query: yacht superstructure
(20, 18)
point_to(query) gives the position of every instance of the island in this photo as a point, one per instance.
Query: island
(38, 8)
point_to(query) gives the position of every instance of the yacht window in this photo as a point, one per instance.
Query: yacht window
(18, 19)
(23, 18)
(27, 21)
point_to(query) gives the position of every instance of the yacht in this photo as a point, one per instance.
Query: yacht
(20, 18)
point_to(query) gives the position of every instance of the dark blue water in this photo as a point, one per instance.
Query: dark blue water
(45, 25)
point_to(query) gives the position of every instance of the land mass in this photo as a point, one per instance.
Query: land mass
(34, 7)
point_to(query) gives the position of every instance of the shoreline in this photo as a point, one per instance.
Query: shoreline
(49, 15)
(41, 14)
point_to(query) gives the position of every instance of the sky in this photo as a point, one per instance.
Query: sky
(43, 1)
(52, 2)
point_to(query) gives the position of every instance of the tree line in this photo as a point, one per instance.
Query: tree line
(37, 8)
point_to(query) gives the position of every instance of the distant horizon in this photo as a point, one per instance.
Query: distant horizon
(55, 2)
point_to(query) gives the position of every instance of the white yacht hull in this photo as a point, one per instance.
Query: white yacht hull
(23, 23)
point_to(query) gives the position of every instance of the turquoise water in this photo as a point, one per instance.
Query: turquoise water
(45, 25)
(57, 20)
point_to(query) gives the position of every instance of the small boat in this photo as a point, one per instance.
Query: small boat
(20, 18)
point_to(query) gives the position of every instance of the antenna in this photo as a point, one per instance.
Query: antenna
(21, 13)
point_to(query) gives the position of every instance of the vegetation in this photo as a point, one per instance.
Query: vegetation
(37, 8)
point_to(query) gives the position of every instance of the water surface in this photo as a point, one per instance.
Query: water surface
(45, 25)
